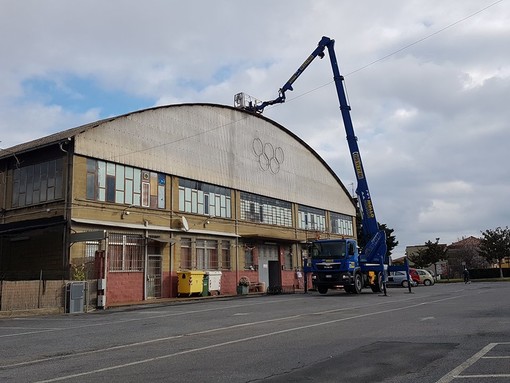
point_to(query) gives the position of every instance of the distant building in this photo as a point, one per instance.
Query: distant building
(460, 254)
(134, 200)
(466, 253)
(438, 269)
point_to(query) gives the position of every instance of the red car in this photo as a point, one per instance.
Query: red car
(414, 275)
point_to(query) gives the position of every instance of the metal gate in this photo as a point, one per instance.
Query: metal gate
(154, 277)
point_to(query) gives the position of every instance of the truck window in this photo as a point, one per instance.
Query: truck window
(328, 250)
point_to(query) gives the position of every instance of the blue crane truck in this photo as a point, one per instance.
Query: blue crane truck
(339, 263)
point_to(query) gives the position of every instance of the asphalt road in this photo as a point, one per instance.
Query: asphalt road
(439, 334)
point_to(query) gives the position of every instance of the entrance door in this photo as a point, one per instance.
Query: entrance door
(154, 277)
(266, 253)
(275, 277)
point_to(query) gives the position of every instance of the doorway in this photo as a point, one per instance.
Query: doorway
(275, 277)
(154, 277)
(267, 254)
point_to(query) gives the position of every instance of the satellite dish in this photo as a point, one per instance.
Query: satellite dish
(184, 223)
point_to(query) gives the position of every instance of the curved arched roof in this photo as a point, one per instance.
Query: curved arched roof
(212, 143)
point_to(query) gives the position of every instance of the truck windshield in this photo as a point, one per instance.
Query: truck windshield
(328, 250)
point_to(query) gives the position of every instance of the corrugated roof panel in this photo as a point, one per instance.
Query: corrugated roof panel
(215, 144)
(222, 146)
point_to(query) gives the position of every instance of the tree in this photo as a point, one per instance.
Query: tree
(495, 246)
(432, 253)
(391, 241)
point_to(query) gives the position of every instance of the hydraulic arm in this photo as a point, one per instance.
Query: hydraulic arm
(375, 249)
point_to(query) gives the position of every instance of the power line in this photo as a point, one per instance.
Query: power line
(424, 38)
(321, 86)
(401, 49)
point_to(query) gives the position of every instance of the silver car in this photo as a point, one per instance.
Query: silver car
(399, 278)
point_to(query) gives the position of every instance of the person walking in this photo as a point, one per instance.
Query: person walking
(466, 275)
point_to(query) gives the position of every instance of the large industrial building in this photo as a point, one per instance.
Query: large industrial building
(134, 200)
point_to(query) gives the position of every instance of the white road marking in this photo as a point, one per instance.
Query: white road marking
(483, 376)
(222, 344)
(455, 373)
(109, 323)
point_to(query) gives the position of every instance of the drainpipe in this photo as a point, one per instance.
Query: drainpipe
(4, 202)
(236, 231)
(146, 261)
(67, 217)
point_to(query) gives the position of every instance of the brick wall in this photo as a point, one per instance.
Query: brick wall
(168, 287)
(289, 279)
(229, 280)
(124, 287)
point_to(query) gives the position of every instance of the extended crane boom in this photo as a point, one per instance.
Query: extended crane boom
(347, 267)
(319, 51)
(375, 249)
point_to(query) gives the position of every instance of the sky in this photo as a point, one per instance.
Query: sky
(428, 83)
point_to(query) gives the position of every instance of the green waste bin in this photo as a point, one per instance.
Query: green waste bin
(205, 289)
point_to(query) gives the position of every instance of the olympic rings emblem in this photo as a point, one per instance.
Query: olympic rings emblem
(269, 157)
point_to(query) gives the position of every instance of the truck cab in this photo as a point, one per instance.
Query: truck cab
(334, 264)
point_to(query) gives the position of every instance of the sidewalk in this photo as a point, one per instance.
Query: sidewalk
(31, 312)
(134, 305)
(169, 301)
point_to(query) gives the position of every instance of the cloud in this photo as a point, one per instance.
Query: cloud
(427, 83)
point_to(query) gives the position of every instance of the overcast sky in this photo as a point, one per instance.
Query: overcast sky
(428, 83)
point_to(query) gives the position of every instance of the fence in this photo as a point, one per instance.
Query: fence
(488, 273)
(41, 294)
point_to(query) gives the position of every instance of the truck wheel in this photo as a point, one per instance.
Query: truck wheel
(322, 290)
(358, 284)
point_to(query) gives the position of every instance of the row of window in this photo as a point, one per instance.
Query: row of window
(110, 182)
(201, 198)
(266, 210)
(311, 219)
(37, 183)
(126, 252)
(341, 224)
(205, 254)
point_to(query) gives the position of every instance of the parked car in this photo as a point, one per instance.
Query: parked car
(425, 277)
(399, 278)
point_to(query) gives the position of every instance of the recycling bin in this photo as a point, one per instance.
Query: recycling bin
(214, 278)
(190, 282)
(205, 285)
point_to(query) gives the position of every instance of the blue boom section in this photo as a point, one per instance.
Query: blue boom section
(375, 249)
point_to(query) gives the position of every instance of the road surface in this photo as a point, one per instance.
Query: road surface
(439, 334)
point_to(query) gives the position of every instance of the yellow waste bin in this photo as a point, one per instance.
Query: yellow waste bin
(190, 282)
